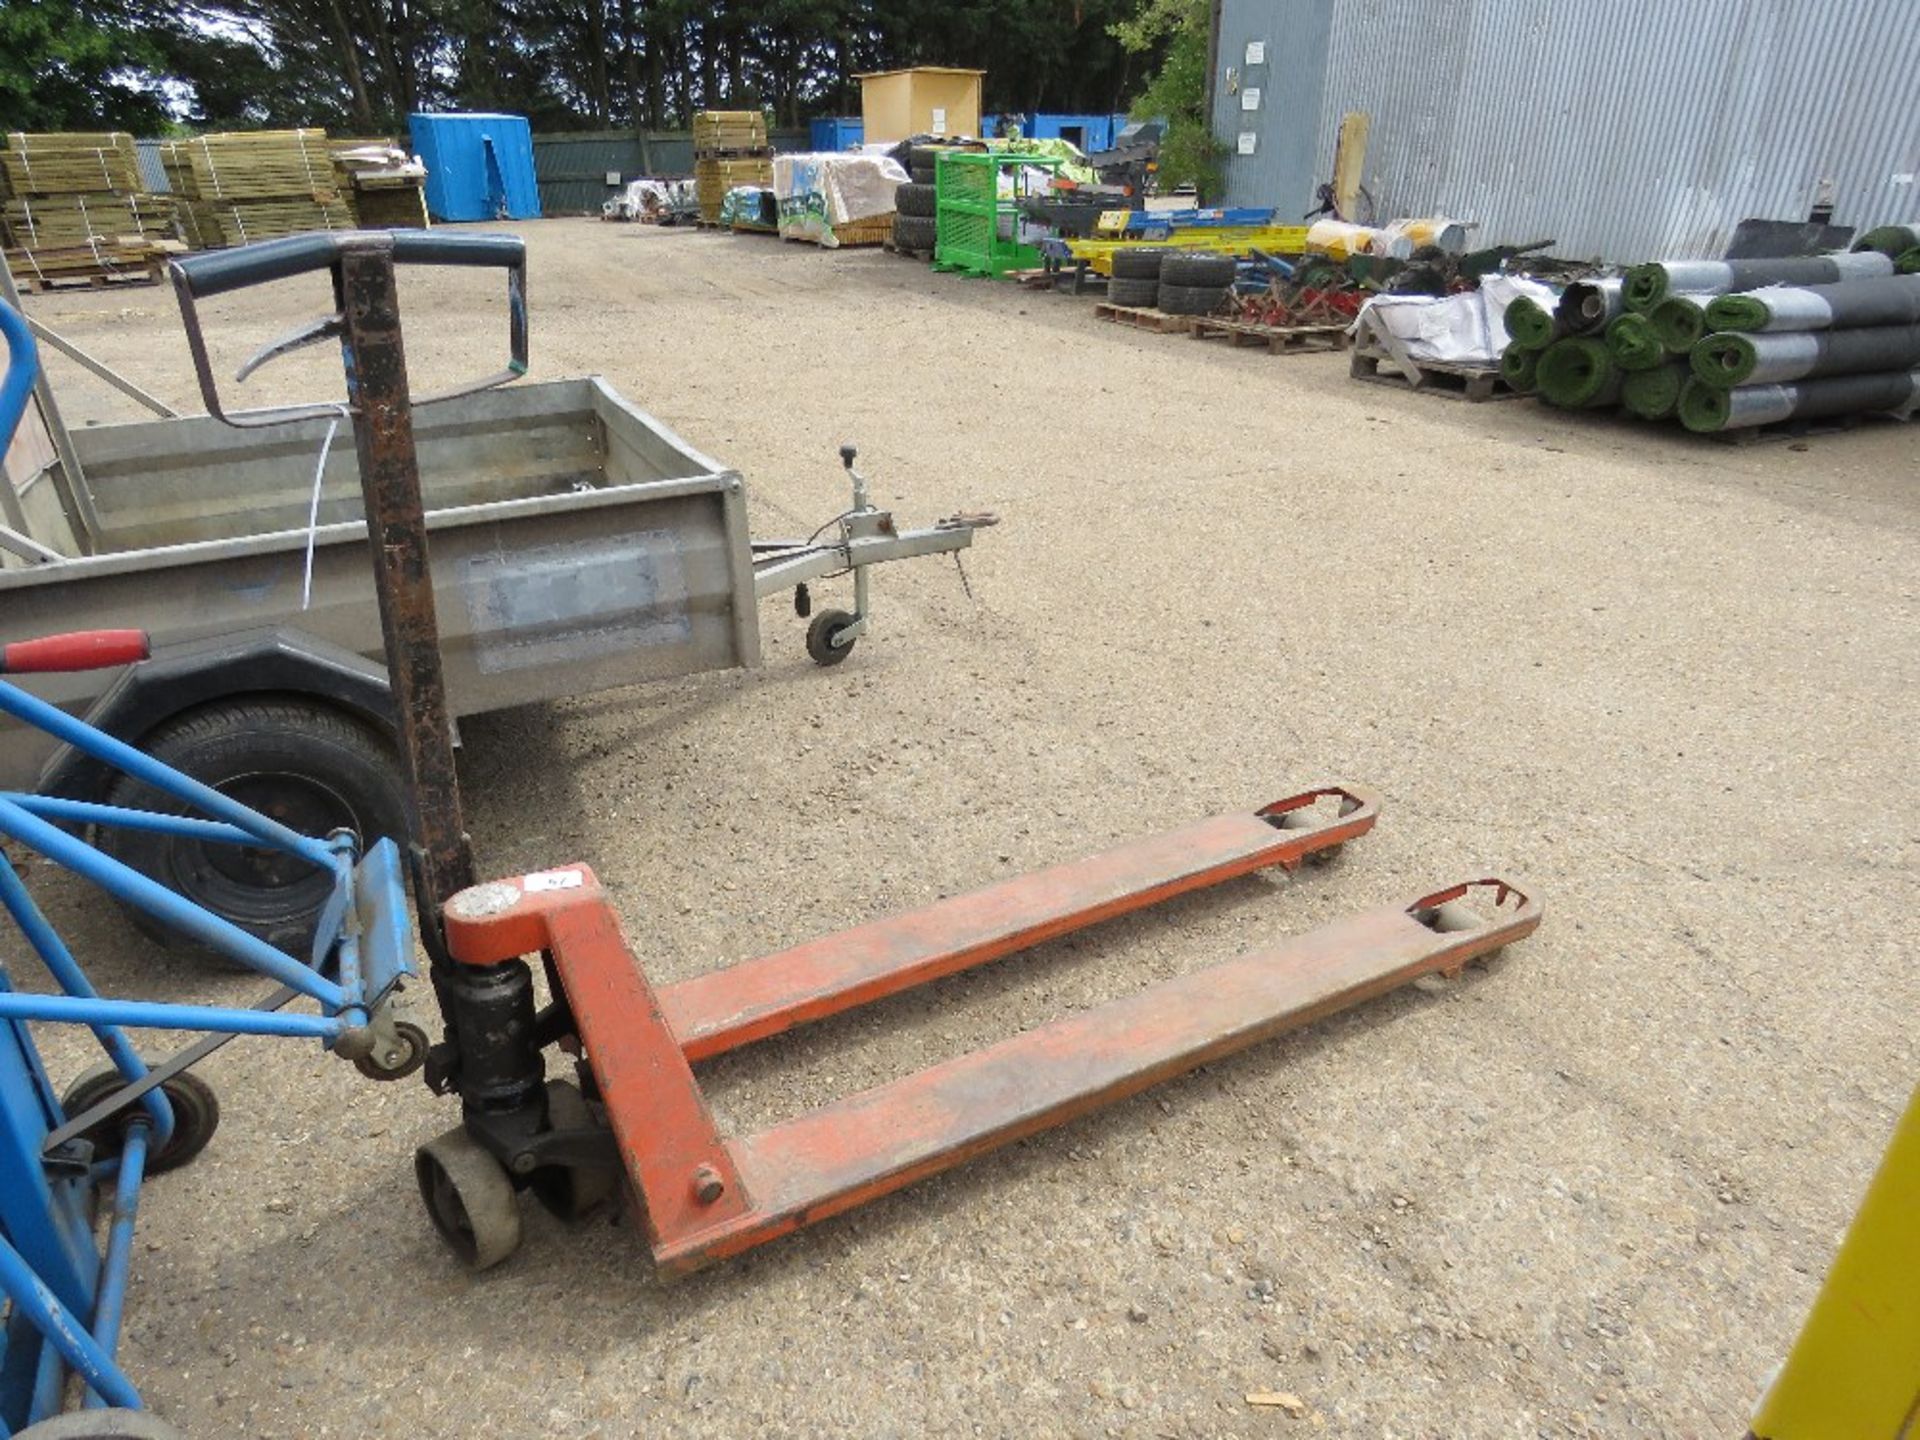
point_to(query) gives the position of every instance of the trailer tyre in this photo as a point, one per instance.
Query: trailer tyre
(1141, 263)
(1191, 299)
(313, 768)
(196, 1115)
(914, 199)
(114, 1424)
(1197, 269)
(1141, 294)
(914, 232)
(820, 637)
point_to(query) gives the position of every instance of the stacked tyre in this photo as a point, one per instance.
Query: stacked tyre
(1136, 278)
(920, 163)
(913, 217)
(1193, 282)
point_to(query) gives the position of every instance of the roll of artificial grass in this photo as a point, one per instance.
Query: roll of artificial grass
(1577, 374)
(1633, 344)
(1586, 306)
(1530, 325)
(1679, 321)
(1731, 358)
(1909, 262)
(1654, 394)
(1883, 300)
(1891, 240)
(1708, 408)
(1647, 285)
(1518, 364)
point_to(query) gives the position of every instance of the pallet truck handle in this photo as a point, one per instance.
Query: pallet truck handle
(196, 277)
(76, 650)
(215, 272)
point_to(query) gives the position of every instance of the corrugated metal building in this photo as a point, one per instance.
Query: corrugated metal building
(1625, 131)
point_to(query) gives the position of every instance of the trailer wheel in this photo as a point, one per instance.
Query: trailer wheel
(313, 768)
(820, 637)
(469, 1198)
(196, 1115)
(114, 1424)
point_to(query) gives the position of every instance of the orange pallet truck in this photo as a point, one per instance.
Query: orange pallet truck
(637, 1112)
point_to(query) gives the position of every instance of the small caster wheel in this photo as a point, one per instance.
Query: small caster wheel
(196, 1115)
(821, 634)
(114, 1424)
(469, 1197)
(409, 1053)
(572, 1192)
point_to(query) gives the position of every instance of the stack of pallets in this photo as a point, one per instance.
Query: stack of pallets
(730, 148)
(384, 186)
(76, 211)
(237, 188)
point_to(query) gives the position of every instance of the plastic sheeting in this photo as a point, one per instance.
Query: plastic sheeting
(1464, 329)
(819, 191)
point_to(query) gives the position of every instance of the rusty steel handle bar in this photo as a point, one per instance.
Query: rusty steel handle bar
(221, 272)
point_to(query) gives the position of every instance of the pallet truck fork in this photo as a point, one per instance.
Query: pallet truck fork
(638, 1114)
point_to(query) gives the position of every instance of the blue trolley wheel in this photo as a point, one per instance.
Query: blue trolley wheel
(196, 1115)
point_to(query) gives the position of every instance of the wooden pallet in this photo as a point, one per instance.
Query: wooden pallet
(1140, 318)
(33, 284)
(1455, 382)
(1279, 339)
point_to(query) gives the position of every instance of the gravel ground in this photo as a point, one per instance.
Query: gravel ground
(1589, 1189)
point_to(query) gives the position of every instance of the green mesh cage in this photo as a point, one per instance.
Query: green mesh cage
(977, 211)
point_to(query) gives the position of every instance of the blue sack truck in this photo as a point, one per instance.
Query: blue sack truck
(61, 1154)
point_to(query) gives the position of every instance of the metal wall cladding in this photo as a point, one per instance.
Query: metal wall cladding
(1623, 132)
(573, 166)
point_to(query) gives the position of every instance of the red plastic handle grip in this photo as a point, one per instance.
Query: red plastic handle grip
(81, 650)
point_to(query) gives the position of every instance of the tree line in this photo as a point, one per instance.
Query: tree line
(359, 67)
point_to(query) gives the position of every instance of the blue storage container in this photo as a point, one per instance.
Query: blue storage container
(835, 132)
(1089, 132)
(479, 167)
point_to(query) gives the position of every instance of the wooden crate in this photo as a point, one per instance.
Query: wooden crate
(1455, 382)
(729, 132)
(260, 165)
(54, 221)
(713, 178)
(133, 260)
(70, 163)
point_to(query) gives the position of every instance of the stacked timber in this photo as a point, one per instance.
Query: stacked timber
(76, 210)
(384, 186)
(1734, 346)
(730, 149)
(237, 188)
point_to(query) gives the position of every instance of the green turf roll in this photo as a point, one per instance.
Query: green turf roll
(1645, 287)
(1892, 241)
(1633, 342)
(1723, 360)
(1577, 373)
(1518, 364)
(1529, 325)
(1737, 312)
(1704, 407)
(1909, 261)
(1654, 394)
(1679, 321)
